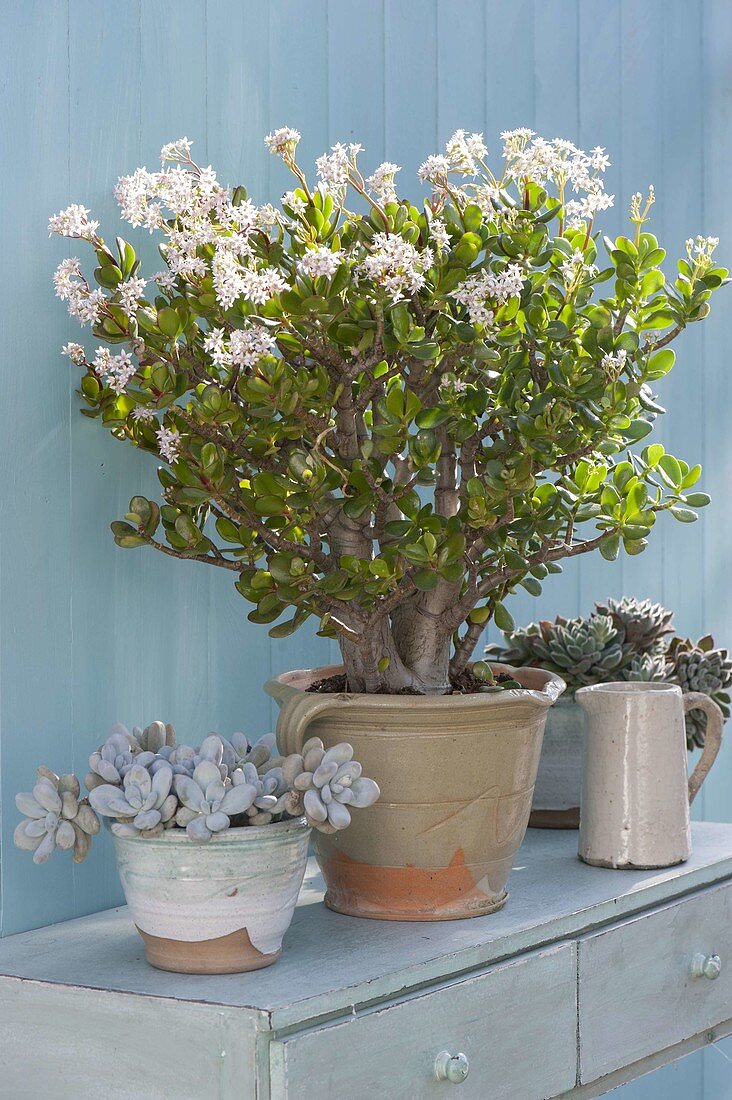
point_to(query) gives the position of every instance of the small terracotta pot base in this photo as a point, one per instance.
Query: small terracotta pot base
(232, 954)
(555, 819)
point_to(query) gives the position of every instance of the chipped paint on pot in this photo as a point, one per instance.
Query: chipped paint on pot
(219, 907)
(559, 781)
(456, 775)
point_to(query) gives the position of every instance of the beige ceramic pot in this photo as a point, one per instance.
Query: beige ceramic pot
(456, 775)
(556, 803)
(221, 907)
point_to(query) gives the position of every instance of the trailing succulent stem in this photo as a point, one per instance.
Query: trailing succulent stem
(386, 416)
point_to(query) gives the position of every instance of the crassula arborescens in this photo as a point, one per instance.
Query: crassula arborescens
(385, 415)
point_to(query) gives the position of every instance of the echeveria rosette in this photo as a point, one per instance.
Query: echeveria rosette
(208, 803)
(326, 785)
(389, 415)
(143, 805)
(55, 817)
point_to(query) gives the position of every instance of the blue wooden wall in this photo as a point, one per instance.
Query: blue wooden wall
(90, 634)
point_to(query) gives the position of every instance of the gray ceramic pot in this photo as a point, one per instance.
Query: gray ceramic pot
(559, 781)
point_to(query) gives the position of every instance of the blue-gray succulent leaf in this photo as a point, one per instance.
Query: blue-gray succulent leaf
(47, 796)
(124, 828)
(109, 802)
(238, 799)
(217, 822)
(206, 772)
(212, 748)
(27, 805)
(198, 830)
(148, 819)
(24, 840)
(365, 792)
(65, 836)
(189, 792)
(45, 849)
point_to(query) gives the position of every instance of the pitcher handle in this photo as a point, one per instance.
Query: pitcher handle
(296, 713)
(697, 700)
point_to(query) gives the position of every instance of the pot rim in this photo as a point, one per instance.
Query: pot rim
(544, 696)
(247, 833)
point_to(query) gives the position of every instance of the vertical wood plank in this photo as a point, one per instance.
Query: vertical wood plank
(176, 683)
(35, 519)
(238, 119)
(556, 114)
(106, 591)
(410, 88)
(602, 106)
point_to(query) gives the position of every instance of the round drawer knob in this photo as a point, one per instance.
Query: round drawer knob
(706, 966)
(451, 1067)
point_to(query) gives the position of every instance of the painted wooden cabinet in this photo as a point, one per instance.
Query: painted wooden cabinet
(586, 979)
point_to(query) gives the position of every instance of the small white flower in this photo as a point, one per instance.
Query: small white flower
(333, 168)
(575, 271)
(168, 444)
(482, 292)
(465, 151)
(176, 150)
(140, 413)
(434, 170)
(320, 261)
(74, 352)
(165, 281)
(382, 182)
(260, 286)
(614, 364)
(249, 345)
(66, 278)
(514, 141)
(74, 221)
(283, 142)
(297, 204)
(130, 291)
(116, 370)
(439, 234)
(396, 265)
(215, 344)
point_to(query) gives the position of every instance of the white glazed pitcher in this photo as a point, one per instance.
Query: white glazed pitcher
(635, 791)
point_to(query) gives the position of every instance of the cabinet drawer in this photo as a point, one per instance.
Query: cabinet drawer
(516, 1024)
(637, 990)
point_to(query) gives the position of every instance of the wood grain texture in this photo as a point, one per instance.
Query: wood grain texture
(88, 1043)
(493, 1018)
(639, 977)
(90, 634)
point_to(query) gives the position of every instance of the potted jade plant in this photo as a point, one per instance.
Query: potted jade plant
(388, 417)
(211, 842)
(625, 639)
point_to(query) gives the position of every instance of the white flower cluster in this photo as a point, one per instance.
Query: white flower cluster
(334, 169)
(74, 352)
(482, 292)
(169, 444)
(439, 234)
(320, 260)
(700, 250)
(396, 265)
(297, 203)
(140, 413)
(381, 182)
(463, 154)
(74, 221)
(72, 288)
(246, 346)
(283, 142)
(575, 270)
(559, 161)
(116, 370)
(613, 365)
(179, 150)
(130, 291)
